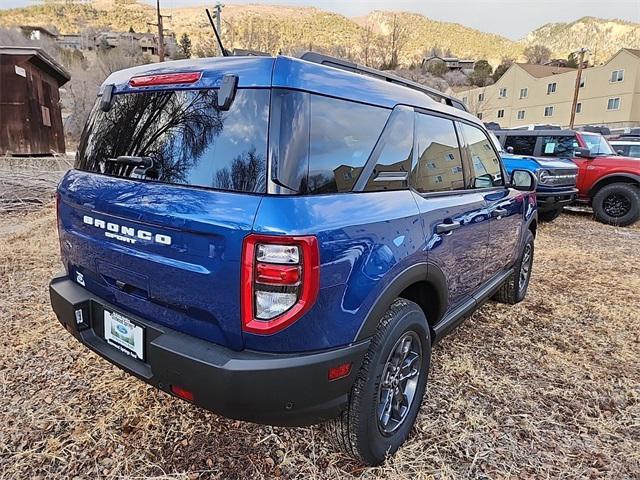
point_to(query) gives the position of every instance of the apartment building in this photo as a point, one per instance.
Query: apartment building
(526, 94)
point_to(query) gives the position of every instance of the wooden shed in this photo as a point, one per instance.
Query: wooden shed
(30, 117)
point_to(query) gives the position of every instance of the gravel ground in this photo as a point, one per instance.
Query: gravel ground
(547, 389)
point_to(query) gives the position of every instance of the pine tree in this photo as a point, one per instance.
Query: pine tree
(185, 45)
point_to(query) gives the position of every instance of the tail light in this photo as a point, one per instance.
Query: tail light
(280, 281)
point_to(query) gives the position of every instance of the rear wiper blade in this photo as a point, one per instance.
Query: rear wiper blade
(131, 160)
(132, 166)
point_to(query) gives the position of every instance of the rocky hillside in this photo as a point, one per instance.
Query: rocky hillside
(291, 30)
(603, 37)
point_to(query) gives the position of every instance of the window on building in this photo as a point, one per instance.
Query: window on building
(438, 148)
(617, 76)
(524, 93)
(503, 93)
(481, 97)
(520, 114)
(394, 161)
(522, 145)
(583, 79)
(578, 107)
(548, 111)
(613, 103)
(464, 100)
(551, 87)
(485, 165)
(501, 113)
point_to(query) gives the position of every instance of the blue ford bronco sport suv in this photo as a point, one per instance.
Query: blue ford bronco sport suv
(557, 179)
(282, 240)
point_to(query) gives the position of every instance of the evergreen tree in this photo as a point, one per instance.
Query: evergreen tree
(185, 45)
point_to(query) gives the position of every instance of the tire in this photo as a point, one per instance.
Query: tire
(550, 215)
(360, 431)
(617, 204)
(515, 288)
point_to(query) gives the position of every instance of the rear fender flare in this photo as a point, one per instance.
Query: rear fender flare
(415, 273)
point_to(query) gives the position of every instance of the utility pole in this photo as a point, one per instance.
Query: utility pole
(576, 89)
(160, 31)
(218, 9)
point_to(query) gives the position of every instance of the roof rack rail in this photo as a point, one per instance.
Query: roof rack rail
(387, 77)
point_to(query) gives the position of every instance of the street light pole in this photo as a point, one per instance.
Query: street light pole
(576, 89)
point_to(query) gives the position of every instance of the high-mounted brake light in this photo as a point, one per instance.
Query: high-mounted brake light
(165, 79)
(280, 281)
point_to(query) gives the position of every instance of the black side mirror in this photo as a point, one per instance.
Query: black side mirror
(523, 180)
(583, 152)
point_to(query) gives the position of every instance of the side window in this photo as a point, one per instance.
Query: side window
(394, 152)
(342, 136)
(485, 163)
(633, 151)
(558, 146)
(524, 145)
(439, 166)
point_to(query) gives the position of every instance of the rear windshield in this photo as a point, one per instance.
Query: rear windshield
(181, 137)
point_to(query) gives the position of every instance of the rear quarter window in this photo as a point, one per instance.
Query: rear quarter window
(522, 145)
(320, 144)
(188, 139)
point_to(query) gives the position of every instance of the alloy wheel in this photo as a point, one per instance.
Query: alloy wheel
(616, 205)
(397, 390)
(525, 267)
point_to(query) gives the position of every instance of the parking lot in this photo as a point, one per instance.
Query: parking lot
(547, 389)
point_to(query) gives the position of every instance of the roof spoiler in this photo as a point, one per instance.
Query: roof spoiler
(387, 77)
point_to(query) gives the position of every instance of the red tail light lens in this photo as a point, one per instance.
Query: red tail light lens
(280, 281)
(165, 79)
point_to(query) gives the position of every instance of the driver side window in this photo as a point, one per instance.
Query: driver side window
(485, 163)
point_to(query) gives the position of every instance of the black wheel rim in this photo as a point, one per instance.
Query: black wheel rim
(525, 267)
(399, 383)
(616, 205)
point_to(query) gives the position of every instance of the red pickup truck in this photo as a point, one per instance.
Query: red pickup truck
(609, 182)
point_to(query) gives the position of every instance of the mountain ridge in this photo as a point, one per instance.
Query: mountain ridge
(290, 29)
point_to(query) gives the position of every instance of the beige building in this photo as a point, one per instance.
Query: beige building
(541, 94)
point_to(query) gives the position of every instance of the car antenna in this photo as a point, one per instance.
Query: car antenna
(224, 52)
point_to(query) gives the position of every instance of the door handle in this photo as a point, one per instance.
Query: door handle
(499, 212)
(447, 227)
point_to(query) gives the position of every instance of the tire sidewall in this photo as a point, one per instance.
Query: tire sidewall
(379, 445)
(628, 190)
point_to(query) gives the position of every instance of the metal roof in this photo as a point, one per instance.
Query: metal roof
(41, 59)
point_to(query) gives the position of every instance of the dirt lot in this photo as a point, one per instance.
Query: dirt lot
(547, 389)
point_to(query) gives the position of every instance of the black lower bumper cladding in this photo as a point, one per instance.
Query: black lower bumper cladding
(553, 200)
(274, 389)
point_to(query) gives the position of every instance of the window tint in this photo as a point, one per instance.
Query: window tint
(342, 137)
(180, 137)
(558, 146)
(394, 160)
(439, 165)
(320, 144)
(634, 151)
(524, 145)
(485, 164)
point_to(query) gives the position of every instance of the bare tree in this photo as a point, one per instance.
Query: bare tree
(397, 40)
(538, 54)
(456, 78)
(366, 44)
(125, 56)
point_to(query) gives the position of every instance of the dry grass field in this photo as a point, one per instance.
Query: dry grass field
(547, 389)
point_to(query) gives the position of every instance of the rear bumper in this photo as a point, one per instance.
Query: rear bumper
(553, 200)
(267, 388)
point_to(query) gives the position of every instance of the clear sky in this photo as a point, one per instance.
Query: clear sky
(511, 18)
